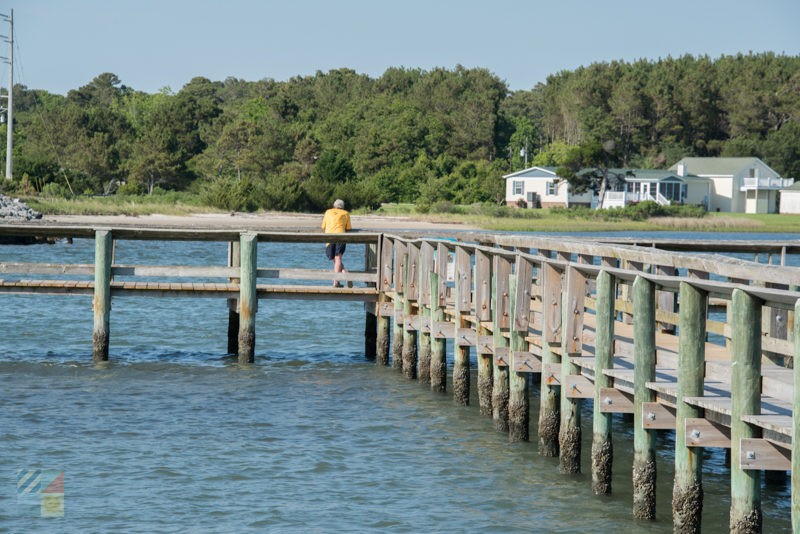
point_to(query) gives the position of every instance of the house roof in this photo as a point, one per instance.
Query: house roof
(650, 175)
(531, 170)
(715, 166)
(794, 187)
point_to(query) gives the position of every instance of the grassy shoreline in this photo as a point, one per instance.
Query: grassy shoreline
(528, 221)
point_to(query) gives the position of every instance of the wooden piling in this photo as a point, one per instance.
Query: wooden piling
(463, 281)
(409, 336)
(248, 303)
(518, 402)
(101, 304)
(438, 344)
(371, 319)
(383, 342)
(500, 324)
(397, 334)
(483, 312)
(795, 488)
(602, 447)
(425, 267)
(687, 490)
(746, 515)
(234, 260)
(569, 436)
(644, 371)
(549, 411)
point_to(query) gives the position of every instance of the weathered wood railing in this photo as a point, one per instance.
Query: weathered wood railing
(589, 320)
(527, 313)
(241, 289)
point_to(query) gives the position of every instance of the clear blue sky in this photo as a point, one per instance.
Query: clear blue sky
(150, 44)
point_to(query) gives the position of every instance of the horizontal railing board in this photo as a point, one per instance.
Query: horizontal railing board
(186, 271)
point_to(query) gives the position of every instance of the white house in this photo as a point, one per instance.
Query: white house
(539, 184)
(739, 185)
(790, 200)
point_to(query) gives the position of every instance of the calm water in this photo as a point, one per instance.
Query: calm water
(172, 435)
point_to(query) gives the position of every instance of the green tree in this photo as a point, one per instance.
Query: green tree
(588, 168)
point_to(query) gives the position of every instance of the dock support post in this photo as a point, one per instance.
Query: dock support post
(461, 359)
(500, 374)
(101, 304)
(483, 313)
(384, 333)
(518, 402)
(549, 412)
(602, 446)
(409, 336)
(795, 488)
(397, 334)
(370, 336)
(569, 435)
(644, 371)
(426, 296)
(248, 298)
(687, 490)
(746, 516)
(371, 320)
(438, 344)
(234, 260)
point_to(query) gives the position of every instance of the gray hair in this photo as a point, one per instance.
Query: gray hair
(339, 204)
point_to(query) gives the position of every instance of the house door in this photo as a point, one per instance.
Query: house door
(645, 191)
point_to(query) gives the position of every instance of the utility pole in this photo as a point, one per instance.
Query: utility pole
(526, 152)
(10, 96)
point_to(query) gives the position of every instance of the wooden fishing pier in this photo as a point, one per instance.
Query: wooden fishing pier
(624, 323)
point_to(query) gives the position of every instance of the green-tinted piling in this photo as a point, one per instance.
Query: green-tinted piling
(602, 447)
(687, 490)
(234, 260)
(644, 371)
(500, 374)
(746, 515)
(248, 303)
(438, 345)
(409, 336)
(518, 402)
(101, 304)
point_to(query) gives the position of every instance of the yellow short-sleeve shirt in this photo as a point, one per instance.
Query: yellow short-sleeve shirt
(336, 221)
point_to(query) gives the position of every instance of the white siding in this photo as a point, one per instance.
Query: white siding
(790, 202)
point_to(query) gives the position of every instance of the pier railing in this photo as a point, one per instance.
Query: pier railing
(624, 325)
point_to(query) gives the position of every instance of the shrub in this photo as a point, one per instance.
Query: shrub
(227, 194)
(130, 189)
(447, 207)
(54, 190)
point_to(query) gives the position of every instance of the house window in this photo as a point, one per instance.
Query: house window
(552, 189)
(519, 188)
(752, 173)
(672, 190)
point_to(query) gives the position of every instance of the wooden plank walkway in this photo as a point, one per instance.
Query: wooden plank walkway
(191, 290)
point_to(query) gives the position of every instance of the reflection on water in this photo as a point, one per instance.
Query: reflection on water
(172, 435)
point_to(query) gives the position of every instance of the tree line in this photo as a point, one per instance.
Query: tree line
(409, 135)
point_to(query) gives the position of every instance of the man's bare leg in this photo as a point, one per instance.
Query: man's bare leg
(338, 267)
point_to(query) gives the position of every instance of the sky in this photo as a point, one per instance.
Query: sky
(64, 44)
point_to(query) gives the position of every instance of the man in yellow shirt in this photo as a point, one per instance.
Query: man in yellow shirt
(336, 221)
